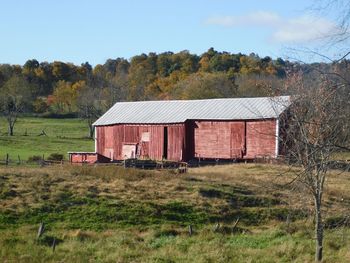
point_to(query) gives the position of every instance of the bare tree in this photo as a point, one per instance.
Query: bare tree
(342, 20)
(315, 127)
(88, 104)
(14, 96)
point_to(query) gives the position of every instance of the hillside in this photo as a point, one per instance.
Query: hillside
(111, 214)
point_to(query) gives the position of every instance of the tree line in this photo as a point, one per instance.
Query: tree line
(60, 88)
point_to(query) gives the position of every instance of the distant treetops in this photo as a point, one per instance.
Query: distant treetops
(60, 87)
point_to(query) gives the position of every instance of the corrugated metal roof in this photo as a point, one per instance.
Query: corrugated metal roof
(177, 111)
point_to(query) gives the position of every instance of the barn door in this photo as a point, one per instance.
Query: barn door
(238, 144)
(143, 147)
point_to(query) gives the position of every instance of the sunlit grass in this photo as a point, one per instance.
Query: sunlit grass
(112, 214)
(63, 135)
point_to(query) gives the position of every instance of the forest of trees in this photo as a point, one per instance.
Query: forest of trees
(63, 89)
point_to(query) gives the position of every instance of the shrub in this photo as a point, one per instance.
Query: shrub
(34, 158)
(55, 157)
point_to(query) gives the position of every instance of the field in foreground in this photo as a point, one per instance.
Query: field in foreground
(111, 214)
(62, 135)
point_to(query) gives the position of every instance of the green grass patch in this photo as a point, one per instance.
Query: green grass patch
(63, 135)
(98, 214)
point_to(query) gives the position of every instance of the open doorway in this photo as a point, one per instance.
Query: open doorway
(165, 143)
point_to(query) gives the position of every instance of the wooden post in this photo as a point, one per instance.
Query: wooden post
(190, 230)
(54, 244)
(235, 225)
(41, 229)
(216, 227)
(288, 223)
(7, 159)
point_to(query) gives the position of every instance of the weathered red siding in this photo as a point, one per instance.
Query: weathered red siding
(261, 138)
(110, 140)
(193, 139)
(212, 139)
(219, 139)
(156, 142)
(86, 157)
(238, 139)
(82, 158)
(176, 142)
(234, 139)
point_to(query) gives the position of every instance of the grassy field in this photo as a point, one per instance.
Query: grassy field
(63, 135)
(112, 214)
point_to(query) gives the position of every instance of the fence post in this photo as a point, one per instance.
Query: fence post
(41, 230)
(190, 230)
(7, 159)
(54, 244)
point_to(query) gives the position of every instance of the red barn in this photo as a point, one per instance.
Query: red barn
(182, 130)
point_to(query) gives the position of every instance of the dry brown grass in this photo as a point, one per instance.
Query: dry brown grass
(267, 179)
(28, 187)
(24, 187)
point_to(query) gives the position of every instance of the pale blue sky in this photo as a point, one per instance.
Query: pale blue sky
(78, 31)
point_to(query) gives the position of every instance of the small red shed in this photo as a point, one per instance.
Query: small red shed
(182, 130)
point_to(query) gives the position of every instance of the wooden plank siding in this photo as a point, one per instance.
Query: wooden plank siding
(176, 143)
(193, 139)
(234, 139)
(238, 139)
(83, 157)
(86, 157)
(261, 138)
(110, 140)
(212, 139)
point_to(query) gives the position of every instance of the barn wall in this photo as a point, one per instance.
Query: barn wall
(110, 140)
(194, 139)
(234, 139)
(261, 138)
(176, 142)
(238, 139)
(83, 157)
(219, 139)
(212, 139)
(156, 142)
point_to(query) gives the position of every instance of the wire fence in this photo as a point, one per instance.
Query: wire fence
(16, 160)
(182, 167)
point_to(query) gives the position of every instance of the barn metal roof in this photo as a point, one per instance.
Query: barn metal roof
(178, 111)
